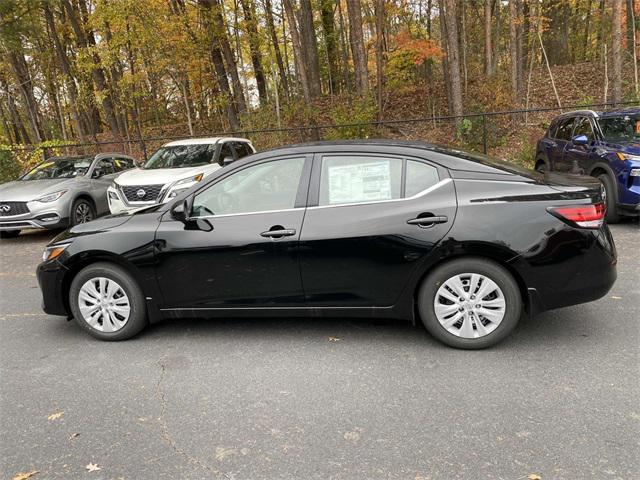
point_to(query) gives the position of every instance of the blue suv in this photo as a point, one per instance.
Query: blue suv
(605, 145)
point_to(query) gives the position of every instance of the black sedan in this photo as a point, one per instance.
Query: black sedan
(462, 242)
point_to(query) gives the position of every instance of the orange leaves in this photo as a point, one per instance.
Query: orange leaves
(420, 49)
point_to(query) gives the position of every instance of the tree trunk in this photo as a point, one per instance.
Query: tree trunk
(331, 43)
(556, 39)
(357, 46)
(297, 50)
(616, 50)
(254, 47)
(86, 40)
(284, 81)
(379, 12)
(25, 84)
(19, 131)
(453, 58)
(513, 48)
(310, 48)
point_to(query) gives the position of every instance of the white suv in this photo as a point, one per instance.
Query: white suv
(176, 166)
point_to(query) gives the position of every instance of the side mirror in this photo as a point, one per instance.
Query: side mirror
(580, 140)
(97, 173)
(226, 161)
(181, 211)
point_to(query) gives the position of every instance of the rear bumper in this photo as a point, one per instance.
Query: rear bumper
(578, 266)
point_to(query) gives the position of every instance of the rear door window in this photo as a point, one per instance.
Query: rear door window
(419, 176)
(242, 149)
(583, 127)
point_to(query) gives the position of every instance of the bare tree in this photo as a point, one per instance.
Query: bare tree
(616, 50)
(301, 66)
(310, 48)
(254, 47)
(448, 9)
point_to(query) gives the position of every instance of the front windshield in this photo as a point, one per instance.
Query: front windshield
(622, 128)
(181, 156)
(59, 168)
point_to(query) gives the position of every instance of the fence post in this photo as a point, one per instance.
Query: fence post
(484, 133)
(45, 153)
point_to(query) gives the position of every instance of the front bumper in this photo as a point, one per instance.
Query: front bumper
(51, 280)
(117, 203)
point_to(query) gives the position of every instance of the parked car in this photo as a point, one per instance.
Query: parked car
(369, 228)
(605, 145)
(175, 167)
(59, 192)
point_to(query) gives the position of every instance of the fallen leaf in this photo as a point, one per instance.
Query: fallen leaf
(93, 467)
(533, 476)
(25, 475)
(334, 339)
(74, 435)
(55, 416)
(615, 297)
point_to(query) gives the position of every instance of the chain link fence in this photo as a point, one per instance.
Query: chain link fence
(510, 134)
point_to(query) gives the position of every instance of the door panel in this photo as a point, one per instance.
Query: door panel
(578, 157)
(563, 141)
(231, 265)
(240, 248)
(362, 254)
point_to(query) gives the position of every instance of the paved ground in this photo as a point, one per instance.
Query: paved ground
(268, 399)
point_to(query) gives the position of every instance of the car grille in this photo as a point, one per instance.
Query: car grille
(9, 209)
(151, 192)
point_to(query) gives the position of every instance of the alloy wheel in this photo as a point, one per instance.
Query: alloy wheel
(83, 213)
(469, 305)
(104, 304)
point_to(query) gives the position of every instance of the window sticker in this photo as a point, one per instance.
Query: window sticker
(359, 183)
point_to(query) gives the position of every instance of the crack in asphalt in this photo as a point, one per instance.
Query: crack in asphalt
(166, 435)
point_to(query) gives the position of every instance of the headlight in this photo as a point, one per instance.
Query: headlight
(627, 156)
(51, 197)
(183, 184)
(53, 251)
(635, 172)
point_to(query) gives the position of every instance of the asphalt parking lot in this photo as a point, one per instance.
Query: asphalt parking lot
(300, 398)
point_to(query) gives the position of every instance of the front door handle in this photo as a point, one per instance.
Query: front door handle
(428, 221)
(279, 233)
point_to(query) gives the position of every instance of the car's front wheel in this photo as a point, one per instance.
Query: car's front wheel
(470, 303)
(107, 302)
(82, 211)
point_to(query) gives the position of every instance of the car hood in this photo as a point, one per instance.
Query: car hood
(162, 176)
(28, 190)
(95, 226)
(632, 148)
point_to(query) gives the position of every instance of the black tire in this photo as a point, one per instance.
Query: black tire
(541, 166)
(611, 200)
(138, 314)
(82, 211)
(9, 233)
(487, 268)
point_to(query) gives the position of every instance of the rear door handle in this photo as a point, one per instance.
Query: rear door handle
(428, 221)
(285, 232)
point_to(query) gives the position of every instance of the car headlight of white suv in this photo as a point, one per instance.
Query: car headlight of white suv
(182, 185)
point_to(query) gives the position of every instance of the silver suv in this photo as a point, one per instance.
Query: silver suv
(60, 192)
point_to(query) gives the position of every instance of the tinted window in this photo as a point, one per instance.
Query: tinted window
(226, 151)
(583, 127)
(419, 177)
(121, 164)
(106, 166)
(259, 188)
(179, 156)
(564, 129)
(59, 168)
(353, 179)
(242, 149)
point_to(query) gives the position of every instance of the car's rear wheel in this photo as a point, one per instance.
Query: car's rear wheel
(541, 166)
(9, 233)
(470, 303)
(107, 302)
(610, 195)
(82, 211)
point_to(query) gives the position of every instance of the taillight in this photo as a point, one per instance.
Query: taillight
(583, 216)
